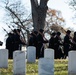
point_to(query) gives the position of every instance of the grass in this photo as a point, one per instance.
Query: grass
(60, 67)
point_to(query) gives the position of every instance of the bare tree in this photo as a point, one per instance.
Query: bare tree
(72, 5)
(15, 16)
(39, 13)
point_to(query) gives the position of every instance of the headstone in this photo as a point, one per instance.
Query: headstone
(49, 53)
(45, 66)
(19, 62)
(31, 54)
(72, 63)
(3, 58)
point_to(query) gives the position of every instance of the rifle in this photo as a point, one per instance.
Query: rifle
(5, 30)
(9, 27)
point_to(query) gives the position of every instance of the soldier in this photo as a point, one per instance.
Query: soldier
(1, 43)
(67, 43)
(17, 40)
(9, 45)
(33, 40)
(52, 41)
(74, 42)
(30, 41)
(13, 42)
(57, 45)
(40, 46)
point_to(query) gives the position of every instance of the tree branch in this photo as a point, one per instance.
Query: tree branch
(14, 15)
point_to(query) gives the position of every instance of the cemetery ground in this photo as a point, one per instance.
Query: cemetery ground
(60, 68)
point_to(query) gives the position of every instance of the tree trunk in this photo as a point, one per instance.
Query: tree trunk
(39, 13)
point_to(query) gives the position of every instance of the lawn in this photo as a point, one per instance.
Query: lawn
(60, 67)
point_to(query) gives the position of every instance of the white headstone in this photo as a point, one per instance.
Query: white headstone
(3, 58)
(31, 54)
(49, 53)
(72, 63)
(45, 66)
(19, 62)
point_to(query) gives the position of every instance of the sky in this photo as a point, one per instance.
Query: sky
(67, 12)
(60, 5)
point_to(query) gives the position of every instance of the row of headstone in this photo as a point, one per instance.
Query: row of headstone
(45, 65)
(19, 61)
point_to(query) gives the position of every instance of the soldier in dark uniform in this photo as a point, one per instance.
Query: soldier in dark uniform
(17, 40)
(67, 43)
(74, 42)
(57, 44)
(52, 40)
(33, 40)
(13, 42)
(30, 41)
(9, 45)
(40, 46)
(1, 43)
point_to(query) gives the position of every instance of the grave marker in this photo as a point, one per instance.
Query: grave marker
(3, 58)
(72, 63)
(31, 54)
(45, 66)
(19, 62)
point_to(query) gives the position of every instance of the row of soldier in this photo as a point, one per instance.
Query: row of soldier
(14, 42)
(37, 39)
(61, 47)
